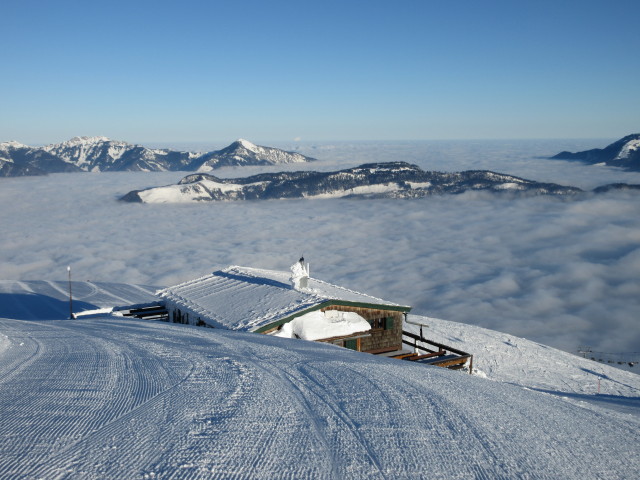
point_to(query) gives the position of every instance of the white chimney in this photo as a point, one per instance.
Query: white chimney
(300, 275)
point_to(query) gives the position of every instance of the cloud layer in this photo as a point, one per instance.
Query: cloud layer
(564, 272)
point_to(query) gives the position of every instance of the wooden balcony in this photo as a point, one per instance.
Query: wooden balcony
(434, 353)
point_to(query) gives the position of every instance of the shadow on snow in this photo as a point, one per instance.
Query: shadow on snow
(34, 306)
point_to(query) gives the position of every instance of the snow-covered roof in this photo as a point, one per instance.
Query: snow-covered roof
(241, 298)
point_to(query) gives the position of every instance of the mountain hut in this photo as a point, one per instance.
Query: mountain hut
(287, 304)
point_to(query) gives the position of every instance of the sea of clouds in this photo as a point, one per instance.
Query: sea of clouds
(561, 271)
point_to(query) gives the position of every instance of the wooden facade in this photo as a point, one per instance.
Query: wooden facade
(385, 333)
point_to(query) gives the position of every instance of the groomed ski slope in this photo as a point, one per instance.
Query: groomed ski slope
(119, 398)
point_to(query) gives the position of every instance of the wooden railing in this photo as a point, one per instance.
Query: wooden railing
(444, 356)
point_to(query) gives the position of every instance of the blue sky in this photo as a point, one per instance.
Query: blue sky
(155, 71)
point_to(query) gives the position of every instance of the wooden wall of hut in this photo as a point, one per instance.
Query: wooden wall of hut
(386, 327)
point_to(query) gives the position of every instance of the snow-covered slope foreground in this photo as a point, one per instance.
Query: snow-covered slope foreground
(100, 154)
(116, 398)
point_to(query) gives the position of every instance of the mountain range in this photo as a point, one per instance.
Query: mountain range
(100, 154)
(373, 180)
(624, 153)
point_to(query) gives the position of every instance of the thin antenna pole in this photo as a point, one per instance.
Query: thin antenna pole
(70, 296)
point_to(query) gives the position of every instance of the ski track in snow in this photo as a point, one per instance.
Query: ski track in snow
(187, 403)
(118, 398)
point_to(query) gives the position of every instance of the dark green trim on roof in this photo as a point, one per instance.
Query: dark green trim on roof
(331, 303)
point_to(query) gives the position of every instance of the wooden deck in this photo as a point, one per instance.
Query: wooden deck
(434, 353)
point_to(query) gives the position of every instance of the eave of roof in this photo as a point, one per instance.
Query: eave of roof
(331, 303)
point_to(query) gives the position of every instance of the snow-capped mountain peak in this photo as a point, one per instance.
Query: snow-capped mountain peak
(248, 145)
(628, 149)
(91, 153)
(243, 152)
(12, 144)
(86, 140)
(624, 153)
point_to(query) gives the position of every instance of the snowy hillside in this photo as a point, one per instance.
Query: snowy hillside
(116, 398)
(100, 154)
(374, 180)
(623, 153)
